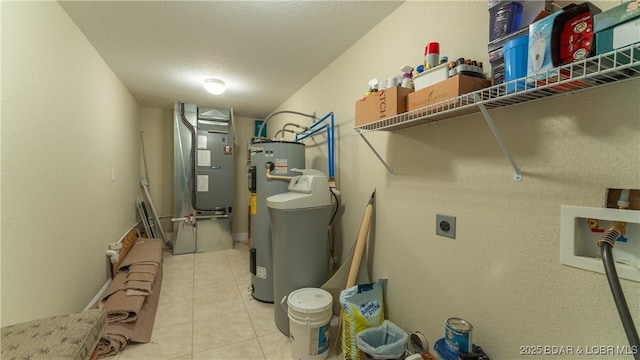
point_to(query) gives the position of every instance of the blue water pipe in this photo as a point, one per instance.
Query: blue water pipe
(311, 131)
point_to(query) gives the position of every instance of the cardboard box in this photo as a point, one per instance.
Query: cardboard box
(382, 104)
(495, 47)
(545, 42)
(445, 90)
(572, 37)
(504, 19)
(617, 27)
(540, 58)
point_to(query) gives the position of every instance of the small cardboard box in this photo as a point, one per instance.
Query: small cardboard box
(617, 27)
(572, 36)
(540, 40)
(445, 90)
(381, 104)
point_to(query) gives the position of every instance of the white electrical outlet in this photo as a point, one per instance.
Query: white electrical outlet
(581, 228)
(113, 175)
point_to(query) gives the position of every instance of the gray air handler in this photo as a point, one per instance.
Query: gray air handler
(203, 178)
(277, 157)
(299, 227)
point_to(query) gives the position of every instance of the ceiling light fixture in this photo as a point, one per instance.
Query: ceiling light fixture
(214, 86)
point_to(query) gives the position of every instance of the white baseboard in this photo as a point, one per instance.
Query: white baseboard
(98, 295)
(241, 237)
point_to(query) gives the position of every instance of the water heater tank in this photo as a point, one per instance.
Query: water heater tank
(282, 156)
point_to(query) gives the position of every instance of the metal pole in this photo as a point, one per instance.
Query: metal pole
(145, 185)
(517, 176)
(390, 170)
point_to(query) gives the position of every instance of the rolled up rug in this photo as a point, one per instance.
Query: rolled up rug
(119, 306)
(118, 335)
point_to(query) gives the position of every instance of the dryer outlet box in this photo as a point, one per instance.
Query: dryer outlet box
(446, 226)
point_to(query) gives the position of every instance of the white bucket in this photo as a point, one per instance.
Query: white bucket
(310, 311)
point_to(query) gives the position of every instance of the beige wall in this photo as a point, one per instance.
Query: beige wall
(502, 272)
(157, 132)
(67, 123)
(244, 133)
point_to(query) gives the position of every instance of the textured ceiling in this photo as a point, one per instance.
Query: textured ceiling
(264, 50)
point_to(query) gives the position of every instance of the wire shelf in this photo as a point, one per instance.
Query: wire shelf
(619, 65)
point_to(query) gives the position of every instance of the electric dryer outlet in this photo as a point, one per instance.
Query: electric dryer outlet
(446, 226)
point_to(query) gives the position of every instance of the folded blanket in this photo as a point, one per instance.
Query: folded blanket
(69, 336)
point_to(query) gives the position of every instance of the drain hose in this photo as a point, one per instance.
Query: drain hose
(618, 297)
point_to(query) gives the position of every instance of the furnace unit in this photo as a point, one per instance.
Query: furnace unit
(203, 178)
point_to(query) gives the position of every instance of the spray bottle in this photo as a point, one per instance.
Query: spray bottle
(407, 76)
(373, 87)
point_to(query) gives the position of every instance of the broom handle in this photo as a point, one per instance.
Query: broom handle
(361, 241)
(363, 233)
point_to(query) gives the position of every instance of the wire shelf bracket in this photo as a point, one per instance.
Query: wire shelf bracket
(389, 169)
(517, 174)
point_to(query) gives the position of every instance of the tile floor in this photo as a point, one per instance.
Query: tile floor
(206, 312)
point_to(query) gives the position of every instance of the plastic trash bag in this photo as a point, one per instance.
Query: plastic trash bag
(387, 341)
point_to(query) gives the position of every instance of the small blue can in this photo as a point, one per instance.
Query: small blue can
(457, 335)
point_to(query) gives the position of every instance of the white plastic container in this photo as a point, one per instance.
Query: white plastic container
(431, 76)
(310, 311)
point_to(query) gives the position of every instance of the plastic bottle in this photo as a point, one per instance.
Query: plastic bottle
(431, 55)
(407, 76)
(452, 69)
